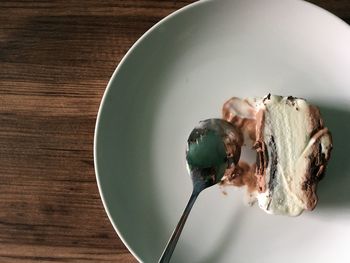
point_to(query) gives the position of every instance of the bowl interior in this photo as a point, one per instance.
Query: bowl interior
(181, 72)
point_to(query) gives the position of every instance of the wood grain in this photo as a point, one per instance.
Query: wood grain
(56, 58)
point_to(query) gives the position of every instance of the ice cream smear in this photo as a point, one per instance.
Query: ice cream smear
(292, 148)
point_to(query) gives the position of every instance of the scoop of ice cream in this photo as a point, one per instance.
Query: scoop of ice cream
(292, 147)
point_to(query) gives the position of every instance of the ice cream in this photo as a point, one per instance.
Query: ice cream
(292, 147)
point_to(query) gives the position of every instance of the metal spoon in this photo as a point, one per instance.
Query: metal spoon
(211, 149)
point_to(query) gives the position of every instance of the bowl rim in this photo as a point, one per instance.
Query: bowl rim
(108, 88)
(112, 78)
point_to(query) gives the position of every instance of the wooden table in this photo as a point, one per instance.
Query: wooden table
(56, 58)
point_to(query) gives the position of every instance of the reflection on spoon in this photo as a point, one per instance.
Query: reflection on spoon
(213, 147)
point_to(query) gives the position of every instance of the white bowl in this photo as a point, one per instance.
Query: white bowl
(181, 71)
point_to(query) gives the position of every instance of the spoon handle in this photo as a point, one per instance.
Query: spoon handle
(168, 251)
